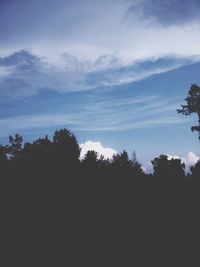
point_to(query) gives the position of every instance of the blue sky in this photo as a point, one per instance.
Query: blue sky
(110, 71)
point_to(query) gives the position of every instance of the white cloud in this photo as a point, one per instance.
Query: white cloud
(107, 152)
(172, 157)
(148, 169)
(190, 160)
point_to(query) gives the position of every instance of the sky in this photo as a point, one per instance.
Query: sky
(113, 72)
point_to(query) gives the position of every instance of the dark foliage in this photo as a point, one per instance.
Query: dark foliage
(58, 210)
(169, 171)
(192, 105)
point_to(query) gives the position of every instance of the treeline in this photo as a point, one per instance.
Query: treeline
(60, 210)
(62, 153)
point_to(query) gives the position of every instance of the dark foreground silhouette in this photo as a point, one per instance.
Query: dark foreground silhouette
(59, 211)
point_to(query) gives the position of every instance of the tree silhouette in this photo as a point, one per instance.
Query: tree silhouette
(15, 148)
(90, 161)
(91, 157)
(195, 170)
(121, 160)
(3, 156)
(168, 169)
(66, 148)
(39, 153)
(192, 105)
(99, 215)
(136, 166)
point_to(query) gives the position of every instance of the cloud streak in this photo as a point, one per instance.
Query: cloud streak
(25, 74)
(167, 12)
(78, 122)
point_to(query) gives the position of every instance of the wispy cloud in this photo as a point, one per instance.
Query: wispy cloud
(14, 124)
(136, 125)
(125, 111)
(88, 121)
(166, 12)
(24, 74)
